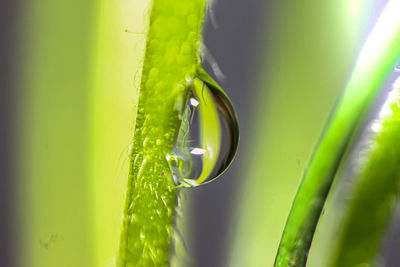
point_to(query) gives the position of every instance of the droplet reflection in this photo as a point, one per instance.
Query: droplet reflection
(208, 137)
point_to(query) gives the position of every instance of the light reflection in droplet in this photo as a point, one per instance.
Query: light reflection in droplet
(194, 102)
(197, 151)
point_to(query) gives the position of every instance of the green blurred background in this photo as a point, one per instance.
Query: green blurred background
(69, 78)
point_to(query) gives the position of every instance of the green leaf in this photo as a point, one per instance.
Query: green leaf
(376, 194)
(376, 60)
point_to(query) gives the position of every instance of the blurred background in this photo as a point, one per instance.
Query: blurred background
(68, 79)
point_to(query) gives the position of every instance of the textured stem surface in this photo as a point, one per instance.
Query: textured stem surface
(169, 67)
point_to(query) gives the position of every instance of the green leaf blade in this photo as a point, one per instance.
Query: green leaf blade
(375, 196)
(377, 58)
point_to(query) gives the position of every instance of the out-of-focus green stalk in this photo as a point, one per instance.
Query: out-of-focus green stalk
(169, 67)
(377, 58)
(376, 194)
(77, 103)
(55, 227)
(309, 49)
(118, 49)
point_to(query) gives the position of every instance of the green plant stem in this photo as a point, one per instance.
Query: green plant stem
(376, 195)
(375, 62)
(169, 67)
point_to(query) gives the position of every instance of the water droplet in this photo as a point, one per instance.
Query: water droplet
(208, 136)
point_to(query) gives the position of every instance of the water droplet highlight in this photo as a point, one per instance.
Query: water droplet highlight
(208, 137)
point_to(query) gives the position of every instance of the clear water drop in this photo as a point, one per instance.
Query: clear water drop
(208, 137)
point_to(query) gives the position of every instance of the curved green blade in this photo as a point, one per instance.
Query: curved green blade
(377, 58)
